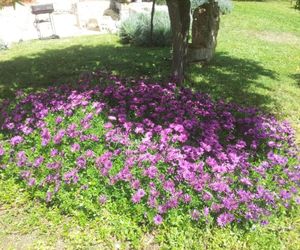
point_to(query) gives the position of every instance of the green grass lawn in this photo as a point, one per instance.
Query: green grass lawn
(257, 64)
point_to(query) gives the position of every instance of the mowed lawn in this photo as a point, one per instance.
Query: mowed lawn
(257, 64)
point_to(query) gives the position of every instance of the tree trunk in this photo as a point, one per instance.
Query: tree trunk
(205, 27)
(113, 5)
(151, 22)
(179, 12)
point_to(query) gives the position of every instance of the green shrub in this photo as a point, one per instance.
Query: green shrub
(161, 2)
(225, 5)
(3, 46)
(158, 2)
(136, 30)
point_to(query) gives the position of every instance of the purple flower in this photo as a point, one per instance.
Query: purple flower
(230, 203)
(49, 197)
(21, 159)
(264, 222)
(195, 214)
(84, 187)
(1, 151)
(59, 136)
(75, 147)
(26, 130)
(102, 199)
(10, 126)
(3, 166)
(271, 144)
(158, 219)
(71, 130)
(186, 198)
(169, 186)
(151, 172)
(31, 182)
(277, 159)
(38, 161)
(71, 176)
(46, 136)
(136, 198)
(108, 125)
(135, 184)
(220, 187)
(54, 152)
(206, 211)
(54, 165)
(286, 195)
(89, 153)
(25, 175)
(59, 119)
(225, 219)
(207, 196)
(16, 140)
(246, 181)
(112, 118)
(139, 130)
(81, 162)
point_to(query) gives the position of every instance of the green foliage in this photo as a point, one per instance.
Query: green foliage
(224, 5)
(136, 30)
(297, 4)
(36, 226)
(3, 46)
(161, 2)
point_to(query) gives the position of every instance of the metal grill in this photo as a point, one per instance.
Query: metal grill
(42, 9)
(43, 14)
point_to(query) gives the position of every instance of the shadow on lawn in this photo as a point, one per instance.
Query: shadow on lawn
(234, 79)
(225, 77)
(296, 77)
(62, 66)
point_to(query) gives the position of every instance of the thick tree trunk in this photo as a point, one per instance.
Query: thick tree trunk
(179, 12)
(205, 27)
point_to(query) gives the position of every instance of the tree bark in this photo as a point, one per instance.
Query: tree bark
(151, 22)
(113, 5)
(179, 12)
(205, 27)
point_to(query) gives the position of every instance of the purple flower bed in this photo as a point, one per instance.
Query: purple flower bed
(172, 148)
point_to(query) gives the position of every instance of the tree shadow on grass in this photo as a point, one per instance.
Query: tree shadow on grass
(226, 77)
(296, 77)
(53, 67)
(234, 79)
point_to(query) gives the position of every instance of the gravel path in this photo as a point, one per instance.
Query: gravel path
(17, 24)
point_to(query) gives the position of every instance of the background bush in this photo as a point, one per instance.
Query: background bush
(3, 45)
(225, 5)
(136, 30)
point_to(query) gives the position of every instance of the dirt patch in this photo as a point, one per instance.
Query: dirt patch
(278, 37)
(12, 237)
(17, 241)
(28, 241)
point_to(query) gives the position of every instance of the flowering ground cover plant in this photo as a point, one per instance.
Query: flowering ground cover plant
(160, 147)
